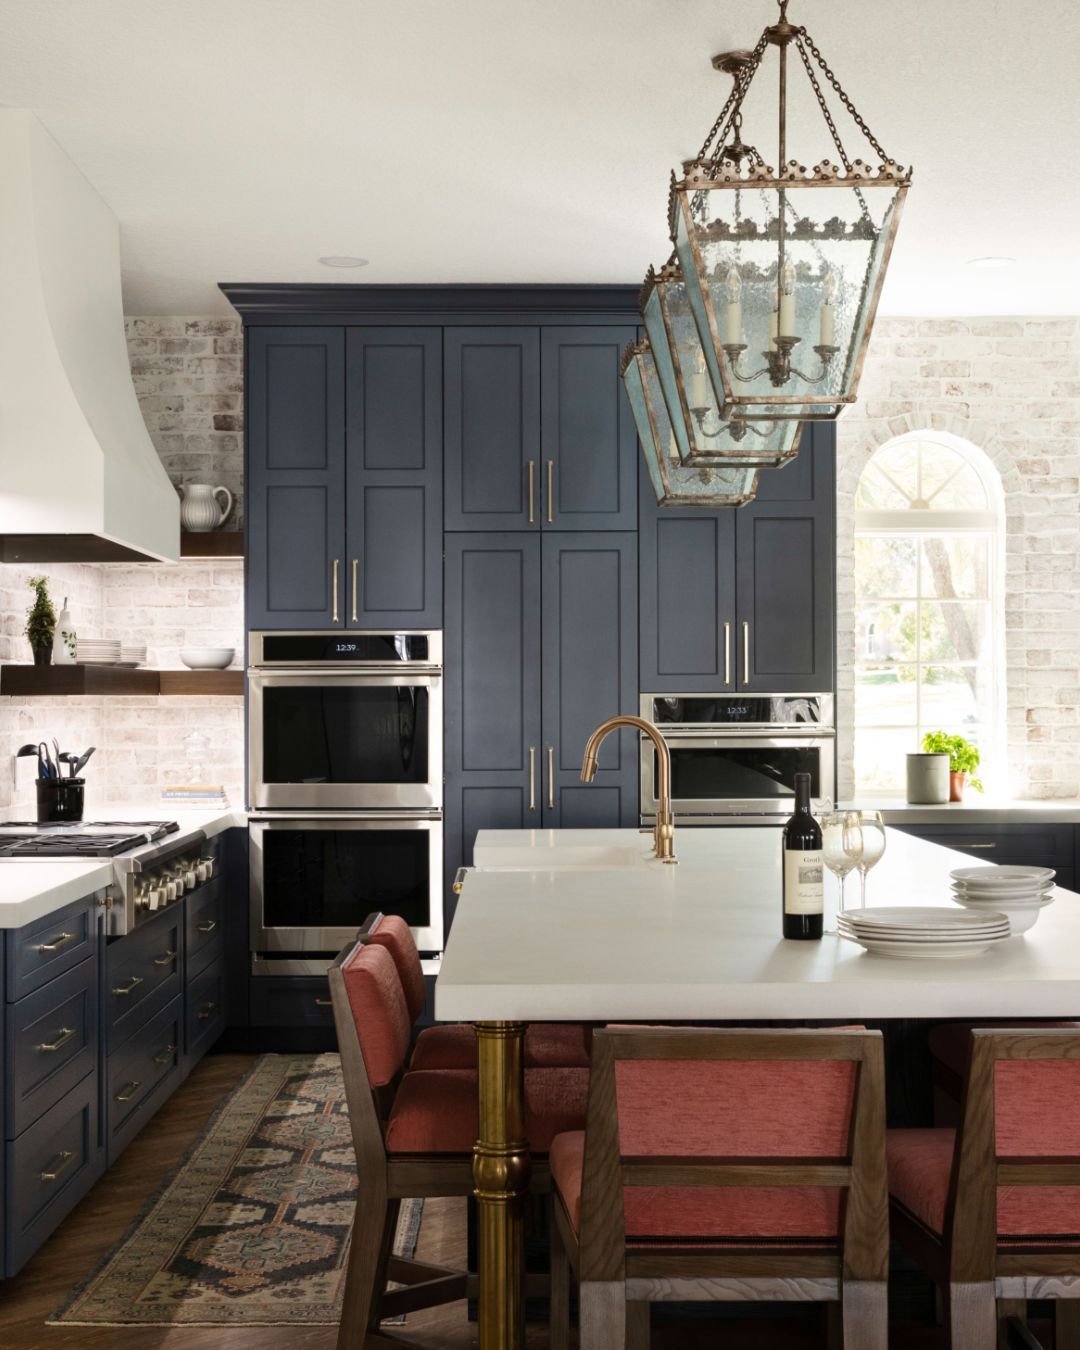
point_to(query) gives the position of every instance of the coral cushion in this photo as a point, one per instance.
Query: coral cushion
(920, 1163)
(723, 1213)
(393, 933)
(950, 1042)
(549, 1045)
(435, 1110)
(383, 1025)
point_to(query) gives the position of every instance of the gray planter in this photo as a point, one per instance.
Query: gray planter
(928, 779)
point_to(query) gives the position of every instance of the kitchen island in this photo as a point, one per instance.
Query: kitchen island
(584, 925)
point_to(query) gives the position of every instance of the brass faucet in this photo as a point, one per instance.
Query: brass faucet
(665, 819)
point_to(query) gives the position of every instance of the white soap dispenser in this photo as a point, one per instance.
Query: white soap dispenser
(64, 638)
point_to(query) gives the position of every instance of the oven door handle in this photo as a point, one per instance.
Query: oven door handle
(365, 672)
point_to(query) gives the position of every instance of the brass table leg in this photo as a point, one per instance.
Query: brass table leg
(501, 1168)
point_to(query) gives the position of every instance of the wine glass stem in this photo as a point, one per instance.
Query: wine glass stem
(843, 879)
(862, 886)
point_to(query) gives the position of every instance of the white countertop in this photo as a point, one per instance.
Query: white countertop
(973, 810)
(31, 888)
(568, 925)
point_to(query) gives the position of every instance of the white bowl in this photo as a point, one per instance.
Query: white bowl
(1021, 917)
(207, 658)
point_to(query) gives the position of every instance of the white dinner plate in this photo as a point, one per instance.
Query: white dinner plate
(1001, 874)
(916, 916)
(939, 951)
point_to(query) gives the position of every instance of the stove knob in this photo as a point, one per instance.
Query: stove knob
(191, 879)
(170, 891)
(142, 897)
(208, 866)
(155, 898)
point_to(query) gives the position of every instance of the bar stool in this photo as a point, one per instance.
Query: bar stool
(950, 1049)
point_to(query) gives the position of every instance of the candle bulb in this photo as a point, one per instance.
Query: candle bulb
(734, 305)
(787, 300)
(699, 386)
(827, 330)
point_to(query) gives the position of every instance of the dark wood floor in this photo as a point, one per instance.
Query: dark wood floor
(107, 1211)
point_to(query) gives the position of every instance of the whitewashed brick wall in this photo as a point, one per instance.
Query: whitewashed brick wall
(1012, 387)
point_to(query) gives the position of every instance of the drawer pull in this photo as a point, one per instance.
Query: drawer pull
(165, 960)
(122, 989)
(66, 1034)
(58, 1165)
(324, 1003)
(205, 1009)
(56, 943)
(208, 926)
(971, 845)
(128, 1091)
(165, 1055)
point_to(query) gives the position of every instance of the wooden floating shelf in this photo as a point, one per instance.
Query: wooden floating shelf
(64, 681)
(212, 544)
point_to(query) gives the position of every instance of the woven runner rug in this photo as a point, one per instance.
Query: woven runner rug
(252, 1227)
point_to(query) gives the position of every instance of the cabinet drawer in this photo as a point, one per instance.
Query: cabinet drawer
(46, 948)
(51, 1044)
(204, 925)
(142, 975)
(1023, 845)
(204, 1010)
(142, 1074)
(300, 1002)
(50, 1167)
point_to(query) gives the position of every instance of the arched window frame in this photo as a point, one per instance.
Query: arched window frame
(926, 521)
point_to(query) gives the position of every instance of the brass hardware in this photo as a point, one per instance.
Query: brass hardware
(58, 1165)
(532, 491)
(732, 63)
(205, 1009)
(551, 492)
(208, 926)
(136, 980)
(57, 941)
(727, 653)
(973, 845)
(459, 880)
(66, 1034)
(163, 1056)
(324, 1003)
(532, 777)
(746, 652)
(551, 777)
(355, 588)
(335, 617)
(165, 960)
(128, 1091)
(664, 833)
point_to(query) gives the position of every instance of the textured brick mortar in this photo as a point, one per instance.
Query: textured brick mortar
(1012, 387)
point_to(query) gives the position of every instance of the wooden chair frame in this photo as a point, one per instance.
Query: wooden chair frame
(618, 1282)
(988, 1284)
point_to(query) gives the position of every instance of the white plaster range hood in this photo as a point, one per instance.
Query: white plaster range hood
(80, 480)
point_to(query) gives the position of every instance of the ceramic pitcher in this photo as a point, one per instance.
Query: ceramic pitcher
(201, 509)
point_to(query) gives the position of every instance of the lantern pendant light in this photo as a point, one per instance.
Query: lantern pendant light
(783, 268)
(703, 437)
(673, 482)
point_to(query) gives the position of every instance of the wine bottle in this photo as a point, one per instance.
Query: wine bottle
(804, 870)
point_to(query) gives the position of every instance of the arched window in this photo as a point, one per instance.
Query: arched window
(929, 640)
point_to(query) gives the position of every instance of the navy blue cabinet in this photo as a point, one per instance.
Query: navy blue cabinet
(344, 477)
(743, 600)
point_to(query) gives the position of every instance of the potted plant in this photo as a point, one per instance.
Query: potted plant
(41, 621)
(963, 761)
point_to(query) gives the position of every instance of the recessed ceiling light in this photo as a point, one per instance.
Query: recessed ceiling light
(991, 262)
(343, 260)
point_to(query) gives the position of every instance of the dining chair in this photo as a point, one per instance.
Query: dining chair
(453, 1045)
(949, 1044)
(413, 1134)
(723, 1165)
(991, 1210)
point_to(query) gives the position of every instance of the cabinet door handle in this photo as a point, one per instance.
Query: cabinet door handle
(551, 492)
(205, 1009)
(532, 491)
(324, 1003)
(133, 983)
(163, 1056)
(532, 777)
(165, 960)
(746, 652)
(335, 616)
(727, 653)
(551, 777)
(47, 1047)
(58, 1165)
(971, 845)
(355, 588)
(128, 1091)
(56, 943)
(208, 926)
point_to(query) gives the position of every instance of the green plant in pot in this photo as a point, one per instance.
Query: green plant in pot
(41, 621)
(963, 761)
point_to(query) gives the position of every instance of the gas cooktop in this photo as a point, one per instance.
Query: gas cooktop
(79, 839)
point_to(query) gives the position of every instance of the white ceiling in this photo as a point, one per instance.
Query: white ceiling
(531, 140)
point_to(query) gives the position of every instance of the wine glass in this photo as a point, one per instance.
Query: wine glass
(873, 846)
(841, 846)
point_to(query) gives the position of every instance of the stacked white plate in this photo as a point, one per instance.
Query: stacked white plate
(97, 651)
(1018, 892)
(133, 656)
(912, 932)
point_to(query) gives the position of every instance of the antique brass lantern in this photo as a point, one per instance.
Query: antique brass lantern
(674, 483)
(783, 267)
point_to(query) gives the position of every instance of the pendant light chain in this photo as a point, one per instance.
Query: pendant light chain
(718, 133)
(825, 112)
(804, 36)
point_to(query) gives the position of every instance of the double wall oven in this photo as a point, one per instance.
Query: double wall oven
(345, 783)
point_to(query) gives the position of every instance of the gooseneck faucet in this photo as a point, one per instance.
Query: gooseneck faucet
(665, 819)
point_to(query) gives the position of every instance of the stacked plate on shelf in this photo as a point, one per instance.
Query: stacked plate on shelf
(911, 932)
(97, 651)
(1018, 892)
(133, 656)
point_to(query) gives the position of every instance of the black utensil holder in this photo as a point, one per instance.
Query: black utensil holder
(59, 799)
